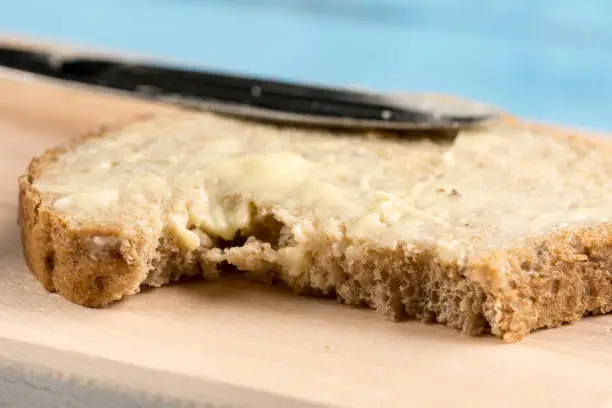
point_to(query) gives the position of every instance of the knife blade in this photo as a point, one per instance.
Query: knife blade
(250, 97)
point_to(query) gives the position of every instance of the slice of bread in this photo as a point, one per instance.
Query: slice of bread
(503, 229)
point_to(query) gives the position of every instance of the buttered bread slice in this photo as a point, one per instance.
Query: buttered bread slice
(503, 229)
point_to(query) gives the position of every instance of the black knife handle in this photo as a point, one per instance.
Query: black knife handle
(277, 96)
(164, 83)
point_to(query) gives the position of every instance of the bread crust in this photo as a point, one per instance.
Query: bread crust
(56, 255)
(575, 266)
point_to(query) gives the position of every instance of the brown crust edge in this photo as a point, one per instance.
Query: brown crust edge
(55, 255)
(574, 268)
(573, 278)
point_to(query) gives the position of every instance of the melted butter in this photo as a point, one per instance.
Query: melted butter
(486, 189)
(88, 201)
(286, 172)
(177, 226)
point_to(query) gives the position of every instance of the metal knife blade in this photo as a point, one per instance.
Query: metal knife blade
(255, 98)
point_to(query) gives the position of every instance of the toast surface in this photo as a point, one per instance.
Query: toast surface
(503, 229)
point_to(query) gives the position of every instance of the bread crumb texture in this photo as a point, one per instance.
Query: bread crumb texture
(503, 229)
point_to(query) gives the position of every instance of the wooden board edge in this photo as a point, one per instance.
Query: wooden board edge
(33, 376)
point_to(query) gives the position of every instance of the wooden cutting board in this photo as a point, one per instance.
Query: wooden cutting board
(236, 344)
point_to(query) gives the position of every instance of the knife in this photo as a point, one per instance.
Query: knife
(243, 96)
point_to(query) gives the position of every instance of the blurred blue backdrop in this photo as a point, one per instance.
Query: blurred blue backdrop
(544, 59)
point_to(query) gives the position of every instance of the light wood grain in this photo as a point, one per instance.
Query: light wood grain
(238, 343)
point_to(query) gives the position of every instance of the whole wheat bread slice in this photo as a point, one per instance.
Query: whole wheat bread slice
(503, 229)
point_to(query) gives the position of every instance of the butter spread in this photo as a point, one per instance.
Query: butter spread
(201, 172)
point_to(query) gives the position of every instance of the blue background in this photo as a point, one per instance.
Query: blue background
(545, 59)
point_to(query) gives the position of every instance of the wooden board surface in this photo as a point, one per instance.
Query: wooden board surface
(238, 344)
